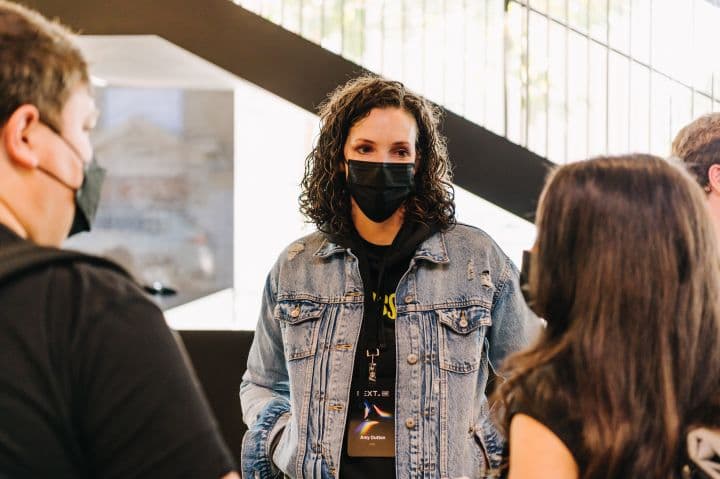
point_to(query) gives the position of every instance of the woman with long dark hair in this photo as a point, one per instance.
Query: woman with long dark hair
(626, 272)
(377, 333)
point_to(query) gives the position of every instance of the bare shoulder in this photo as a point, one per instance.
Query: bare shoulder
(536, 452)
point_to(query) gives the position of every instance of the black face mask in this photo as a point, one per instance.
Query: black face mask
(87, 197)
(525, 281)
(380, 188)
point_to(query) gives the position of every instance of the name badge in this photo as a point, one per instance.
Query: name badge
(371, 428)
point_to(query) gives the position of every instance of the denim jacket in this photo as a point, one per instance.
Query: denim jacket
(459, 314)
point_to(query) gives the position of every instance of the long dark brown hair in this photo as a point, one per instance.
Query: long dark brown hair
(325, 199)
(627, 274)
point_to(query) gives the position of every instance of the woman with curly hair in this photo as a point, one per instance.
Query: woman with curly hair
(377, 333)
(626, 272)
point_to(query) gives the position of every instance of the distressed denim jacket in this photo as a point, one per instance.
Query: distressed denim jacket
(459, 314)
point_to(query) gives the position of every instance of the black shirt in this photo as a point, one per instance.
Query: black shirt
(554, 412)
(92, 383)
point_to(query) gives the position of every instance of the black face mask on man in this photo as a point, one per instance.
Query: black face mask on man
(87, 197)
(380, 188)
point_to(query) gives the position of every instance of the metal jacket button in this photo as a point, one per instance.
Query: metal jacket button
(412, 358)
(409, 423)
(295, 312)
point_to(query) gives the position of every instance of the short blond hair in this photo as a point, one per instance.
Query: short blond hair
(39, 63)
(698, 146)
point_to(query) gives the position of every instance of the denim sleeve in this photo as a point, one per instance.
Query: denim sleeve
(264, 393)
(514, 326)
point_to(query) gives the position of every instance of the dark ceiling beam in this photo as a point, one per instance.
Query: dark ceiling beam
(303, 73)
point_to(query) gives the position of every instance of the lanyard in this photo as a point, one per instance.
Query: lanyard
(375, 340)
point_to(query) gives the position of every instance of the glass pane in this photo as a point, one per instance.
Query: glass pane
(539, 5)
(413, 46)
(538, 88)
(434, 52)
(640, 30)
(312, 20)
(578, 14)
(515, 74)
(353, 30)
(272, 10)
(672, 39)
(597, 138)
(494, 67)
(707, 38)
(373, 54)
(639, 109)
(291, 15)
(619, 25)
(558, 9)
(661, 133)
(598, 20)
(455, 57)
(392, 15)
(332, 25)
(577, 98)
(476, 55)
(557, 115)
(254, 6)
(681, 106)
(702, 105)
(618, 101)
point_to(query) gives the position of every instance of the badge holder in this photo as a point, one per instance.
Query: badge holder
(371, 426)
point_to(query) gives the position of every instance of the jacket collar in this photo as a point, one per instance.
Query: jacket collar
(432, 249)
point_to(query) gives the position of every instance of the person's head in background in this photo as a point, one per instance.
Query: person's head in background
(698, 146)
(626, 272)
(368, 121)
(46, 114)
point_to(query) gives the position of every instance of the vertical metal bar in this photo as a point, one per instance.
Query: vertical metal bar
(403, 38)
(587, 84)
(342, 27)
(527, 79)
(506, 29)
(607, 78)
(485, 60)
(566, 86)
(465, 58)
(322, 21)
(363, 9)
(650, 78)
(547, 86)
(629, 79)
(300, 19)
(424, 43)
(444, 49)
(382, 37)
(692, 49)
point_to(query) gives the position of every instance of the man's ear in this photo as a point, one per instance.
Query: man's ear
(714, 178)
(19, 136)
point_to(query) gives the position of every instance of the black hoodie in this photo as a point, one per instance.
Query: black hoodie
(381, 268)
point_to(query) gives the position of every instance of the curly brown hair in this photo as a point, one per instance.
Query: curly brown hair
(325, 199)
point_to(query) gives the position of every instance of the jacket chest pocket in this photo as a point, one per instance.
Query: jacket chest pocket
(299, 321)
(461, 336)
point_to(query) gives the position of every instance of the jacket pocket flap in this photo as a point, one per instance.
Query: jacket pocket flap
(296, 312)
(464, 320)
